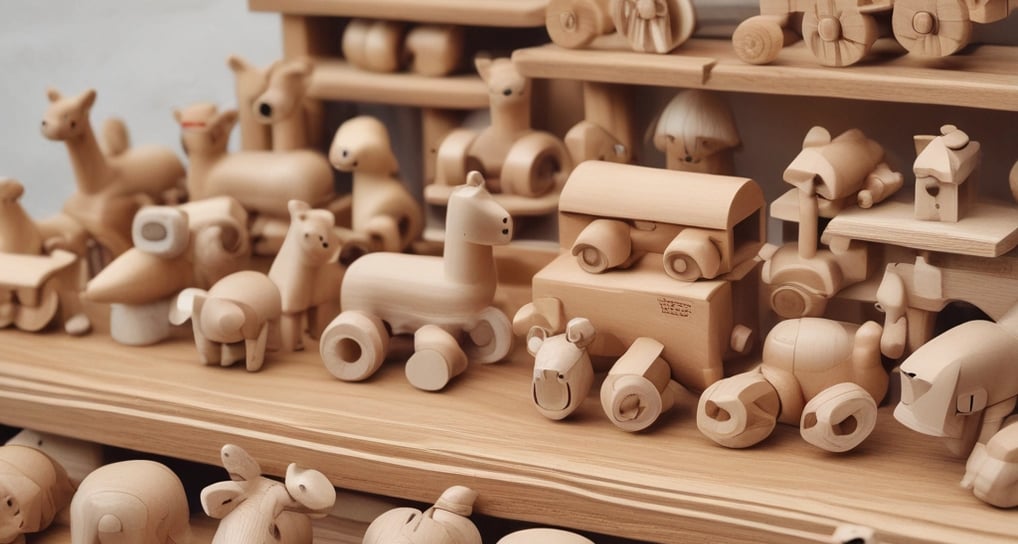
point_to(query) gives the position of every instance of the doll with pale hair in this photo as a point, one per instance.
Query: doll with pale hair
(696, 131)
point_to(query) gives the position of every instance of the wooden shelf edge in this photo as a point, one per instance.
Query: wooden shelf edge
(335, 79)
(502, 13)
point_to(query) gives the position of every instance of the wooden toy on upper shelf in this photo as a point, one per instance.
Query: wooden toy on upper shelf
(140, 502)
(447, 522)
(654, 26)
(253, 508)
(829, 175)
(445, 302)
(842, 32)
(525, 168)
(943, 169)
(383, 209)
(389, 46)
(33, 490)
(696, 131)
(825, 376)
(114, 184)
(250, 82)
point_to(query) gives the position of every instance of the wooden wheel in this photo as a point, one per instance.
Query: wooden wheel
(354, 346)
(838, 36)
(575, 23)
(838, 419)
(931, 28)
(654, 26)
(491, 338)
(758, 40)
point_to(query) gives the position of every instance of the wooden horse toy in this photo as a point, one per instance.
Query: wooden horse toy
(293, 121)
(383, 208)
(111, 186)
(253, 508)
(33, 490)
(447, 522)
(443, 301)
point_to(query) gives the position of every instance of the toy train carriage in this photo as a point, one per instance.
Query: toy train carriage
(611, 215)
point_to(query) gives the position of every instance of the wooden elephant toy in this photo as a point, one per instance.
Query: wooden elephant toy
(447, 522)
(825, 376)
(33, 489)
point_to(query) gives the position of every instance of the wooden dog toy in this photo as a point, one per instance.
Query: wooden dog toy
(654, 26)
(447, 522)
(33, 490)
(696, 131)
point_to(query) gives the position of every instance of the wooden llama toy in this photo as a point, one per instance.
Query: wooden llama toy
(253, 508)
(525, 168)
(112, 186)
(447, 522)
(445, 302)
(696, 131)
(943, 168)
(825, 376)
(653, 26)
(383, 209)
(33, 490)
(250, 81)
(388, 46)
(281, 104)
(136, 502)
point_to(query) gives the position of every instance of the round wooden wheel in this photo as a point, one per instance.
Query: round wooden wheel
(631, 402)
(838, 36)
(791, 300)
(654, 26)
(491, 338)
(931, 28)
(838, 419)
(575, 23)
(758, 40)
(354, 346)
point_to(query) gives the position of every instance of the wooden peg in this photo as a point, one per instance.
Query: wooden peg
(34, 488)
(759, 39)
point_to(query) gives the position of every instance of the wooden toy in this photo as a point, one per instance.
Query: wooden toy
(388, 46)
(253, 508)
(854, 534)
(447, 522)
(111, 187)
(137, 502)
(281, 104)
(77, 457)
(825, 376)
(842, 32)
(829, 175)
(942, 167)
(526, 166)
(444, 302)
(435, 50)
(33, 490)
(654, 26)
(707, 227)
(563, 371)
(697, 133)
(1013, 181)
(992, 469)
(383, 208)
(544, 536)
(249, 82)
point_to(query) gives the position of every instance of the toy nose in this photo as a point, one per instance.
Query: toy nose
(265, 109)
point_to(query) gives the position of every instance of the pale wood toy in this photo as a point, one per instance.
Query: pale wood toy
(447, 522)
(697, 133)
(250, 82)
(563, 371)
(992, 469)
(253, 508)
(943, 167)
(544, 536)
(389, 46)
(829, 175)
(193, 245)
(445, 302)
(842, 32)
(653, 26)
(77, 457)
(111, 187)
(825, 376)
(33, 490)
(527, 167)
(854, 534)
(281, 104)
(383, 209)
(607, 131)
(137, 502)
(698, 225)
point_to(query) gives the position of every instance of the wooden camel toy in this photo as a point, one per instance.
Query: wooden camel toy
(524, 167)
(253, 508)
(33, 490)
(447, 522)
(383, 208)
(112, 186)
(443, 301)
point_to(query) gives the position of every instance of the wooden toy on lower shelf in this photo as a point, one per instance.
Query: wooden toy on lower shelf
(696, 131)
(33, 490)
(544, 536)
(136, 502)
(447, 522)
(253, 508)
(78, 457)
(825, 376)
(653, 26)
(446, 303)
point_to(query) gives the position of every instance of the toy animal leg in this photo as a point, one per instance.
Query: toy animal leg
(231, 353)
(291, 337)
(490, 338)
(437, 359)
(254, 348)
(739, 411)
(839, 418)
(208, 350)
(354, 345)
(992, 469)
(639, 387)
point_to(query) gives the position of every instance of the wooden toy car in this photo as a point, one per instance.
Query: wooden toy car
(655, 26)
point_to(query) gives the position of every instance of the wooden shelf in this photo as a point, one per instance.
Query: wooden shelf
(335, 79)
(502, 13)
(667, 485)
(984, 77)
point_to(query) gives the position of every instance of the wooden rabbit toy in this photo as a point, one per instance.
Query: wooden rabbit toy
(33, 489)
(447, 522)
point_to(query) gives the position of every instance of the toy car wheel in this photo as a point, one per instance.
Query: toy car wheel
(838, 36)
(791, 300)
(491, 338)
(758, 40)
(739, 411)
(838, 419)
(575, 23)
(34, 318)
(931, 28)
(354, 345)
(631, 402)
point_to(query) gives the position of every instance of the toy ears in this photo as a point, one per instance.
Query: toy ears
(535, 339)
(483, 64)
(87, 98)
(475, 179)
(239, 64)
(53, 94)
(580, 331)
(298, 208)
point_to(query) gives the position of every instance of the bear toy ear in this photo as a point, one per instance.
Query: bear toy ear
(535, 339)
(483, 64)
(817, 136)
(297, 207)
(580, 332)
(53, 94)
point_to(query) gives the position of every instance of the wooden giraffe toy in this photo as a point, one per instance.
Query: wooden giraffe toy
(445, 302)
(33, 490)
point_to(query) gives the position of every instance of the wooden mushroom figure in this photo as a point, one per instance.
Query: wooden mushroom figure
(697, 133)
(33, 490)
(255, 509)
(447, 522)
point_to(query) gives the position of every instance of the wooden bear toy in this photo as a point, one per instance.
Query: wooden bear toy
(447, 522)
(33, 489)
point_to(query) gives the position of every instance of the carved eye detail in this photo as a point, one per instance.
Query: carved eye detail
(274, 531)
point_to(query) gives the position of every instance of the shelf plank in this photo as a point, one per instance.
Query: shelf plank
(384, 437)
(335, 79)
(502, 13)
(983, 77)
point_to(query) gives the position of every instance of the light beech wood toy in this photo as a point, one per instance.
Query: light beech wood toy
(854, 534)
(696, 131)
(445, 302)
(653, 26)
(281, 104)
(249, 83)
(707, 227)
(524, 167)
(77, 457)
(383, 209)
(389, 46)
(824, 376)
(943, 165)
(544, 536)
(992, 469)
(447, 522)
(136, 502)
(253, 508)
(842, 32)
(111, 186)
(33, 490)
(829, 175)
(606, 132)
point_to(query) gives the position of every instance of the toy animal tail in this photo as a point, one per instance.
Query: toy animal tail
(115, 139)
